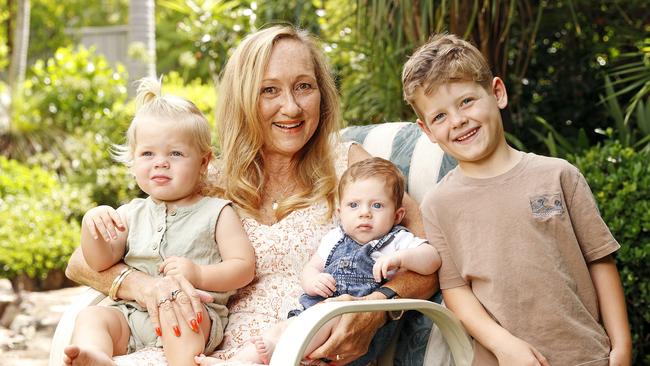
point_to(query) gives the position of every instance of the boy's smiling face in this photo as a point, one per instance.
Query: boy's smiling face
(464, 119)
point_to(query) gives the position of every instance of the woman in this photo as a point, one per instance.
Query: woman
(278, 110)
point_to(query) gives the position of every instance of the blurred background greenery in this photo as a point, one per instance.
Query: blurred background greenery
(577, 72)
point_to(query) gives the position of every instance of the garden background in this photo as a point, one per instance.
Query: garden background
(577, 73)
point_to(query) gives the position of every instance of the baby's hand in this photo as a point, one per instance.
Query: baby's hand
(322, 285)
(180, 266)
(104, 221)
(384, 264)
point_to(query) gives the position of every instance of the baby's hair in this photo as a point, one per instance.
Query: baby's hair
(444, 58)
(177, 111)
(375, 168)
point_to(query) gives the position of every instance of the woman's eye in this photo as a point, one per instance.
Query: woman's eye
(377, 205)
(304, 86)
(269, 90)
(353, 205)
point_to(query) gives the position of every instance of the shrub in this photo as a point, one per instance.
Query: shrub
(620, 180)
(38, 233)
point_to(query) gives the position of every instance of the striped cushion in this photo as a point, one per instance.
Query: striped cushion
(422, 162)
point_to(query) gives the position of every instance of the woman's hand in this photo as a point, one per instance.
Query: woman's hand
(351, 337)
(174, 299)
(322, 284)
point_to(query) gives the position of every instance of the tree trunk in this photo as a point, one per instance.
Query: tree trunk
(18, 64)
(142, 41)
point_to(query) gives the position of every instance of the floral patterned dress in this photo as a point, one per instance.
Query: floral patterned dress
(281, 251)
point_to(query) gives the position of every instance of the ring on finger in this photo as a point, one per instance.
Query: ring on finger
(339, 357)
(174, 294)
(163, 300)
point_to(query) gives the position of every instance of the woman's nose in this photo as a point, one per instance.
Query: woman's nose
(290, 106)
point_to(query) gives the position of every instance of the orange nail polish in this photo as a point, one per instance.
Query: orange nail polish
(177, 331)
(158, 332)
(199, 317)
(194, 325)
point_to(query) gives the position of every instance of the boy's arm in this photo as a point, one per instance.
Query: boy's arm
(103, 237)
(508, 349)
(237, 268)
(423, 259)
(611, 302)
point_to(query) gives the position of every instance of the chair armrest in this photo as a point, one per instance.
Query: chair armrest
(295, 339)
(63, 332)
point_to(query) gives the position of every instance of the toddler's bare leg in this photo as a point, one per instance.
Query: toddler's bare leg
(182, 350)
(99, 333)
(260, 349)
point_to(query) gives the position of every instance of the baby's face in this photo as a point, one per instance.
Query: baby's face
(367, 210)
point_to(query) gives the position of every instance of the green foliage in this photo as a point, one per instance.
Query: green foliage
(36, 235)
(620, 180)
(73, 91)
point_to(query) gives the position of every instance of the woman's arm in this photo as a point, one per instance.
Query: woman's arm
(140, 287)
(611, 301)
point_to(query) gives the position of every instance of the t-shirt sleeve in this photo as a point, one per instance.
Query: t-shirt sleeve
(594, 237)
(328, 241)
(406, 240)
(448, 274)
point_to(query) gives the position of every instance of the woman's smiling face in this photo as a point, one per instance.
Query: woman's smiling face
(289, 102)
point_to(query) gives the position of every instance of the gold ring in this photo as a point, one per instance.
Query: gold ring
(339, 357)
(174, 294)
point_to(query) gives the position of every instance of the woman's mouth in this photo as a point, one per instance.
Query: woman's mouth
(288, 126)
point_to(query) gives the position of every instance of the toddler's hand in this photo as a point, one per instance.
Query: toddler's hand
(104, 221)
(384, 264)
(518, 352)
(322, 285)
(180, 266)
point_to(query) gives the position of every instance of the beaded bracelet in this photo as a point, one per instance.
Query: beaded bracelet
(112, 293)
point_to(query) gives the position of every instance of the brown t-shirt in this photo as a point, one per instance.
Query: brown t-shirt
(522, 242)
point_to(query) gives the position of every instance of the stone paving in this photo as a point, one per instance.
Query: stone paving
(27, 340)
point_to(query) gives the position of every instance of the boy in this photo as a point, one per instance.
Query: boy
(356, 257)
(526, 257)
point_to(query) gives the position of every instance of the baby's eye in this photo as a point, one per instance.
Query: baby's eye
(146, 153)
(176, 153)
(353, 205)
(377, 205)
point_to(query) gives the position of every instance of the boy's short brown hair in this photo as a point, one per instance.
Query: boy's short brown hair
(375, 168)
(444, 58)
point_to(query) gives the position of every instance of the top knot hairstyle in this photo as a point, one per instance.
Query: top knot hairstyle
(444, 58)
(178, 112)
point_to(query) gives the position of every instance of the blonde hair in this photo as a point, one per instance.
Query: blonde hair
(178, 112)
(375, 168)
(242, 131)
(444, 58)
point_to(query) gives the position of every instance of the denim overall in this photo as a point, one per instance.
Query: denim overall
(351, 266)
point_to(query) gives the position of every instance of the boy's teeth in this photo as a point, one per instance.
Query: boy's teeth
(470, 133)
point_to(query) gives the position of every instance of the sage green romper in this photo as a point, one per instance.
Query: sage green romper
(155, 234)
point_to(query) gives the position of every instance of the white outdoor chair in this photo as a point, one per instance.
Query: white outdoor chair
(423, 164)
